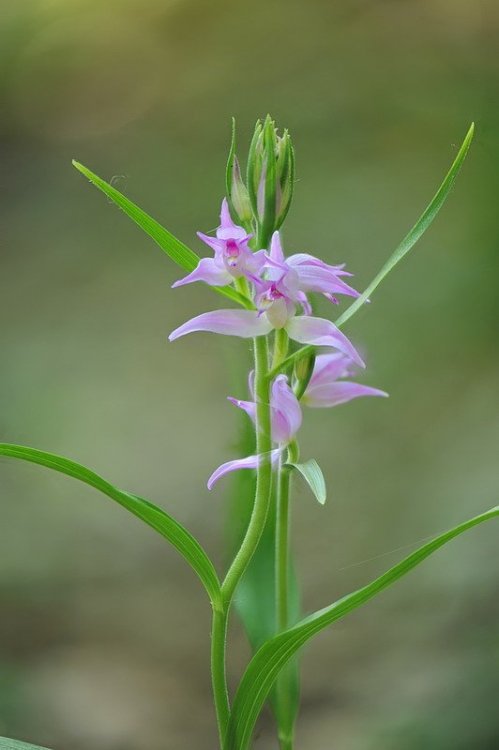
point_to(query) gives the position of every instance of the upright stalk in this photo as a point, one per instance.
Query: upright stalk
(282, 556)
(282, 511)
(264, 473)
(251, 538)
(218, 670)
(282, 548)
(284, 701)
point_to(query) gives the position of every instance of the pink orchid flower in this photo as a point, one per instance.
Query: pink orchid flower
(305, 329)
(310, 273)
(286, 420)
(325, 389)
(233, 256)
(277, 295)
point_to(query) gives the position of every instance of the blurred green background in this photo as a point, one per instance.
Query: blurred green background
(104, 632)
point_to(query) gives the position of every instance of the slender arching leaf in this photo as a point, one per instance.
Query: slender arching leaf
(264, 667)
(153, 516)
(182, 255)
(407, 243)
(417, 230)
(7, 744)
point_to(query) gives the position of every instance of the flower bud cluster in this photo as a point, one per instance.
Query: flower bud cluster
(264, 201)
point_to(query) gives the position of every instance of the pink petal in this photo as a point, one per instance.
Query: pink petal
(207, 271)
(329, 367)
(259, 258)
(225, 217)
(286, 411)
(320, 332)
(276, 253)
(305, 258)
(248, 406)
(243, 323)
(251, 462)
(216, 244)
(227, 229)
(337, 393)
(305, 304)
(314, 278)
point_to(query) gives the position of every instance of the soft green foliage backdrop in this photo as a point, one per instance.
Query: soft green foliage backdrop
(104, 631)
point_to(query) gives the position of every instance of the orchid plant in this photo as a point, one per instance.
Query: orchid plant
(300, 360)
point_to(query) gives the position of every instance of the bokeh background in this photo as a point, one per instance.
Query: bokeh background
(104, 631)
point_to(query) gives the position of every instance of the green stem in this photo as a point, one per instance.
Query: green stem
(282, 511)
(282, 548)
(251, 539)
(218, 670)
(282, 554)
(263, 478)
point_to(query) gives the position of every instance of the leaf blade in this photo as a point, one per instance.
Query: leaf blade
(313, 476)
(414, 234)
(182, 255)
(263, 669)
(151, 514)
(6, 743)
(419, 228)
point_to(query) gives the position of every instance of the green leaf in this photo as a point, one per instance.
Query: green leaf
(7, 744)
(182, 255)
(264, 667)
(153, 516)
(417, 230)
(312, 474)
(407, 243)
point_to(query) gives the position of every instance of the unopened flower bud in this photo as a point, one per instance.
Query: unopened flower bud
(285, 175)
(237, 193)
(302, 373)
(270, 177)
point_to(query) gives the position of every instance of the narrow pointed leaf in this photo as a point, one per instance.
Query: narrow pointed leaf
(264, 667)
(419, 228)
(7, 744)
(312, 474)
(152, 515)
(182, 255)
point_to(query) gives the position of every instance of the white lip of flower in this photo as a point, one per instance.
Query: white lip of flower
(279, 300)
(279, 312)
